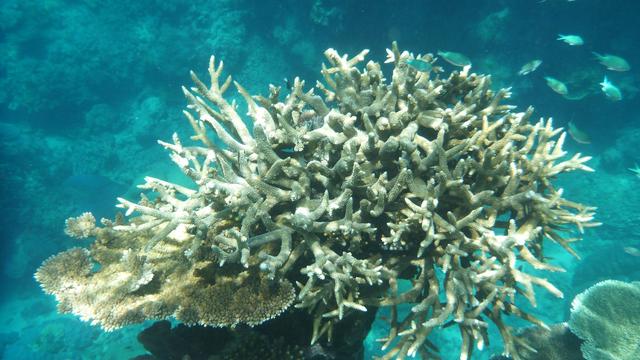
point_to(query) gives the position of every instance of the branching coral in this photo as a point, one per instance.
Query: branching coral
(342, 190)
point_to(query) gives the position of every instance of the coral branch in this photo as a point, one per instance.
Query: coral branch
(329, 202)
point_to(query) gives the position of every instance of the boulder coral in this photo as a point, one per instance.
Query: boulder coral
(327, 199)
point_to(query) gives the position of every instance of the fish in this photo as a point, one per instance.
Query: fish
(420, 65)
(610, 91)
(635, 170)
(612, 62)
(633, 251)
(573, 40)
(454, 58)
(556, 85)
(578, 135)
(577, 95)
(529, 67)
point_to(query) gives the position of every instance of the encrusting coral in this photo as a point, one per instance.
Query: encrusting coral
(333, 196)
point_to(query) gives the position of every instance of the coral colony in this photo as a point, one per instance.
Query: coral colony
(329, 198)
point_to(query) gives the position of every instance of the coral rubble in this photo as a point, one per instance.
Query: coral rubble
(327, 200)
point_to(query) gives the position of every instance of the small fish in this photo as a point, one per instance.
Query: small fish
(556, 85)
(578, 135)
(573, 40)
(529, 67)
(633, 251)
(613, 62)
(455, 58)
(610, 91)
(420, 65)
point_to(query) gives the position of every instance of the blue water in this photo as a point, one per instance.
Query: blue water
(86, 88)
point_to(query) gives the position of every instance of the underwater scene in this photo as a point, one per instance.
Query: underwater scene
(320, 179)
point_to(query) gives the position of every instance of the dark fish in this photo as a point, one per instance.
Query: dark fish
(454, 58)
(529, 67)
(578, 135)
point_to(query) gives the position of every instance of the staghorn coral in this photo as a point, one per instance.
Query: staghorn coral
(341, 190)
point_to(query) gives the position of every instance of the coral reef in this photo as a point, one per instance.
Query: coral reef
(604, 324)
(554, 343)
(607, 317)
(333, 195)
(285, 337)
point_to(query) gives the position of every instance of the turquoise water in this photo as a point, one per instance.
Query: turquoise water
(87, 87)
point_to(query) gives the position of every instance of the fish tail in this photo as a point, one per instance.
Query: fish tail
(596, 55)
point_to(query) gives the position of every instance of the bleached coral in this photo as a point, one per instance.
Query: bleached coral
(342, 190)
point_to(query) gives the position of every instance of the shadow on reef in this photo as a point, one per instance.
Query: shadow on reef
(282, 338)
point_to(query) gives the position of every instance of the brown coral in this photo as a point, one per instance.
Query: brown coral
(246, 299)
(426, 178)
(65, 270)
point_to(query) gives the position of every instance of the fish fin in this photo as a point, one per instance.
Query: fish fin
(604, 82)
(598, 56)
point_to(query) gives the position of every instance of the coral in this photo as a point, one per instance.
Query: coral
(607, 317)
(64, 271)
(553, 343)
(249, 299)
(491, 29)
(326, 13)
(81, 227)
(343, 193)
